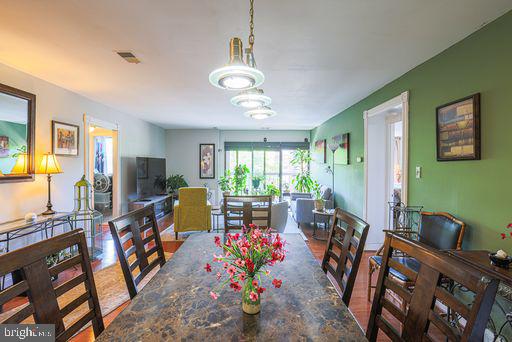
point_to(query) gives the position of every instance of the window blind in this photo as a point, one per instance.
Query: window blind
(250, 146)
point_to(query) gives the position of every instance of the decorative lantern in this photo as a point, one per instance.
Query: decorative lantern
(83, 216)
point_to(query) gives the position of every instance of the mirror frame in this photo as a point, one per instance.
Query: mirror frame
(31, 128)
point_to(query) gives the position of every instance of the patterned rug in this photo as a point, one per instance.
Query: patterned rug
(111, 288)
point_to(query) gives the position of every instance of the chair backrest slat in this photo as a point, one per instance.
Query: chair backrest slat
(348, 232)
(42, 292)
(137, 234)
(429, 299)
(244, 210)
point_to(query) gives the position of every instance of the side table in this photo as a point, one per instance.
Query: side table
(327, 213)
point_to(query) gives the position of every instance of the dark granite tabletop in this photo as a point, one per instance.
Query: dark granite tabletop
(175, 304)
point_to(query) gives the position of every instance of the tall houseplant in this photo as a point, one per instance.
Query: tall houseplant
(302, 182)
(240, 178)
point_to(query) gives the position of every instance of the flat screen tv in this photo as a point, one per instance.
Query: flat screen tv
(150, 177)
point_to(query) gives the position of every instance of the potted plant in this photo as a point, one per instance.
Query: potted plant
(174, 182)
(240, 179)
(317, 195)
(302, 182)
(272, 190)
(225, 183)
(256, 181)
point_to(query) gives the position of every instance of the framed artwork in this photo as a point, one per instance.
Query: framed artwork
(458, 129)
(320, 151)
(341, 154)
(207, 161)
(4, 146)
(65, 139)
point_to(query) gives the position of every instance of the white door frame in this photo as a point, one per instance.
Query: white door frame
(402, 99)
(92, 121)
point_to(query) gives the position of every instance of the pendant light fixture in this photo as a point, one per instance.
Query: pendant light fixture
(250, 99)
(239, 75)
(260, 113)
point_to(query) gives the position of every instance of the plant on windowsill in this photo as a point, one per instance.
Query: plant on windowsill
(256, 182)
(174, 182)
(240, 179)
(273, 191)
(317, 195)
(302, 182)
(225, 183)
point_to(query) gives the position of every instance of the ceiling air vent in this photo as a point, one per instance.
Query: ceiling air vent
(128, 56)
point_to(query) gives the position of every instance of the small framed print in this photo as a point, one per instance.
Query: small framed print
(320, 151)
(65, 139)
(206, 161)
(458, 129)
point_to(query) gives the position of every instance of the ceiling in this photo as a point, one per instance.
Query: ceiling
(319, 57)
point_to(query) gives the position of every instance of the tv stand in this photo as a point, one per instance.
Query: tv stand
(163, 204)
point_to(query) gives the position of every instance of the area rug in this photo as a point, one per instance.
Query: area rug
(111, 288)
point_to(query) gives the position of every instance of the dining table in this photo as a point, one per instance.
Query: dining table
(176, 305)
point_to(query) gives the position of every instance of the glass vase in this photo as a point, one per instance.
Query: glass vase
(248, 306)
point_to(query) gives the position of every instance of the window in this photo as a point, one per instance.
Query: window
(270, 163)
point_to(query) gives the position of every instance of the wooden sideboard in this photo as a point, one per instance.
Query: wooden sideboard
(163, 204)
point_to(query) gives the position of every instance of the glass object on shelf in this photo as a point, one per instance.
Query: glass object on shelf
(83, 216)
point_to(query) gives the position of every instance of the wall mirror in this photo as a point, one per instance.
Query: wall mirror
(17, 127)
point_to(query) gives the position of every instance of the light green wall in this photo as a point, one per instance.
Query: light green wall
(478, 192)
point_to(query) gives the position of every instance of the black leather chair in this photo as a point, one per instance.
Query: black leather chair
(438, 230)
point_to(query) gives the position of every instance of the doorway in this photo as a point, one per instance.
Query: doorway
(102, 166)
(386, 156)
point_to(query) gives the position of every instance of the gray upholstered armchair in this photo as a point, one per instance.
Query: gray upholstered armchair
(303, 204)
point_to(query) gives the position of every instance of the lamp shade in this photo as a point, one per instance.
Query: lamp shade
(21, 165)
(49, 165)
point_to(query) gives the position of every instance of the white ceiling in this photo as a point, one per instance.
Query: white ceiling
(319, 57)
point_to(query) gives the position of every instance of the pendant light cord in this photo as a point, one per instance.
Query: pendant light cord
(251, 24)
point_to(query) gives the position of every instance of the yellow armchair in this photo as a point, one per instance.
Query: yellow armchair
(193, 212)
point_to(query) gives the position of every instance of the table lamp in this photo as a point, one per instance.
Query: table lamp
(49, 166)
(21, 165)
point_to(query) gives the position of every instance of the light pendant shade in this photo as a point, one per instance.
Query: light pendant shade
(260, 113)
(21, 165)
(49, 165)
(250, 99)
(236, 75)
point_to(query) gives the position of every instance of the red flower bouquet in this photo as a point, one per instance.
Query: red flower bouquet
(246, 256)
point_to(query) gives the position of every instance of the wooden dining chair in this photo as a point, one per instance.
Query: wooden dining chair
(43, 293)
(344, 250)
(137, 239)
(244, 210)
(439, 230)
(430, 305)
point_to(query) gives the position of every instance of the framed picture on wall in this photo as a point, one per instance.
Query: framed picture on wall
(458, 129)
(320, 151)
(207, 161)
(341, 154)
(65, 139)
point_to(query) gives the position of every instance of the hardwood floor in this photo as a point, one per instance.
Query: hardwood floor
(359, 305)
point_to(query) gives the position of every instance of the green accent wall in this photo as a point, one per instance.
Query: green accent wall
(17, 134)
(478, 192)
